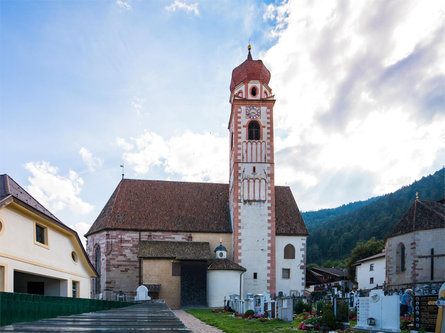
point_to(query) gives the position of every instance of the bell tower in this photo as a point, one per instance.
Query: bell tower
(252, 184)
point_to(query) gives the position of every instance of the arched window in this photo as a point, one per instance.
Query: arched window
(97, 266)
(400, 258)
(289, 251)
(254, 130)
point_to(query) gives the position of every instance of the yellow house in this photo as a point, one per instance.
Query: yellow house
(38, 253)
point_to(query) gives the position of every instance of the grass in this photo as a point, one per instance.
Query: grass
(225, 322)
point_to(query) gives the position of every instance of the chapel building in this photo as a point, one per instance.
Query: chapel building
(415, 250)
(164, 234)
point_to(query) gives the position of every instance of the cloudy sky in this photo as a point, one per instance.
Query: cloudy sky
(88, 85)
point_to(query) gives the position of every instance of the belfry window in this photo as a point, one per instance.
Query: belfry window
(254, 130)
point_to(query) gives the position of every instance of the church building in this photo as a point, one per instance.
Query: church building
(415, 250)
(165, 234)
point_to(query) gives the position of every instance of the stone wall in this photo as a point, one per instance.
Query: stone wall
(417, 244)
(121, 270)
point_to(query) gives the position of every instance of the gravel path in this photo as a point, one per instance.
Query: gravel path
(194, 324)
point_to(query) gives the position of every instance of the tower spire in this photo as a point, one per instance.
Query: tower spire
(249, 56)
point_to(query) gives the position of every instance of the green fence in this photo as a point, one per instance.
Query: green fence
(15, 307)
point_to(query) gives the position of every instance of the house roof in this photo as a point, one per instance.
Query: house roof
(337, 272)
(151, 205)
(421, 215)
(12, 192)
(174, 250)
(224, 265)
(10, 189)
(375, 256)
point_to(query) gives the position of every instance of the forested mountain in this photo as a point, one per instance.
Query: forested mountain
(335, 232)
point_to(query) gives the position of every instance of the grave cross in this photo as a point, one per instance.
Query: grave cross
(432, 256)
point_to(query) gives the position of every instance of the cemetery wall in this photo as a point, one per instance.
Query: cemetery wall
(297, 266)
(159, 271)
(418, 270)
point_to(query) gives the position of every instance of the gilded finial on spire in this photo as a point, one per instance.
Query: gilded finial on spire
(220, 240)
(249, 56)
(249, 47)
(417, 195)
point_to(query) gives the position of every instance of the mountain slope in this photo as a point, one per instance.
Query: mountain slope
(335, 232)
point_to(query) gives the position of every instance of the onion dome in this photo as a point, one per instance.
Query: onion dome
(249, 70)
(221, 248)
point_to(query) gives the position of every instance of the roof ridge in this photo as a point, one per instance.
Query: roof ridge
(431, 207)
(114, 199)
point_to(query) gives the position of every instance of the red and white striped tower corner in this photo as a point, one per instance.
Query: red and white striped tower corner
(252, 175)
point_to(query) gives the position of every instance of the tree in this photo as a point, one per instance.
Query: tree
(361, 251)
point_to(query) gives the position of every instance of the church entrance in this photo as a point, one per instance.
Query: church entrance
(193, 283)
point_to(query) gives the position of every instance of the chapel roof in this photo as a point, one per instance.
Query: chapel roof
(421, 215)
(224, 265)
(174, 250)
(249, 70)
(152, 205)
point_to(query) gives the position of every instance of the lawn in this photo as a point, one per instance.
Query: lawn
(225, 322)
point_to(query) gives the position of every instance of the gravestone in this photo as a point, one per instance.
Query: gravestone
(142, 294)
(425, 312)
(378, 312)
(285, 309)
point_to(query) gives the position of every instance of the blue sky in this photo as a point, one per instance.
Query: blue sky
(88, 85)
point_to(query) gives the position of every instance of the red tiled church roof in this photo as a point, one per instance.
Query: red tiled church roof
(152, 205)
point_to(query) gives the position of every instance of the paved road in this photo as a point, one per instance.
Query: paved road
(150, 317)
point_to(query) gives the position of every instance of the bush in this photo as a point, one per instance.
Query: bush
(329, 319)
(301, 307)
(248, 313)
(319, 306)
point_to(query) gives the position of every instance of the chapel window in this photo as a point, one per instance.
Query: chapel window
(371, 267)
(254, 130)
(97, 266)
(289, 251)
(400, 258)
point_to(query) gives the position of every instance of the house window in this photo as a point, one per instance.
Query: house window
(255, 276)
(289, 251)
(74, 256)
(41, 234)
(371, 267)
(254, 130)
(285, 274)
(75, 289)
(97, 266)
(371, 280)
(176, 269)
(400, 258)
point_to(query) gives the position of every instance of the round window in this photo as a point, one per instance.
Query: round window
(253, 91)
(74, 256)
(221, 254)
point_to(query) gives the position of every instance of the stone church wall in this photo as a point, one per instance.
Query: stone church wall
(121, 269)
(418, 270)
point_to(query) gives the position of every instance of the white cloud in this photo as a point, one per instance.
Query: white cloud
(56, 192)
(123, 4)
(191, 156)
(81, 228)
(182, 5)
(359, 96)
(92, 162)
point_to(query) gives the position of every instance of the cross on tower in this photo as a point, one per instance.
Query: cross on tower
(432, 256)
